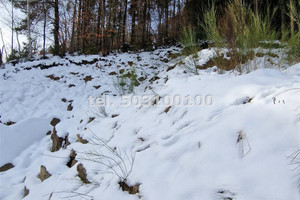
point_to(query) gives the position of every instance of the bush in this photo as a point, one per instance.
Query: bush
(239, 30)
(292, 37)
(125, 83)
(190, 48)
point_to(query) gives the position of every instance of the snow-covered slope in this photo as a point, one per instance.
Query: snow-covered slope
(229, 138)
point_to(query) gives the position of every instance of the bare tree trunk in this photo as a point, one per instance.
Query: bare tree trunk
(12, 27)
(72, 45)
(56, 28)
(159, 26)
(282, 16)
(256, 7)
(1, 61)
(3, 47)
(292, 17)
(124, 23)
(28, 29)
(133, 20)
(174, 24)
(104, 50)
(99, 24)
(18, 41)
(143, 43)
(166, 20)
(44, 29)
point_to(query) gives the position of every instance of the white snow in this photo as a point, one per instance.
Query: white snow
(236, 147)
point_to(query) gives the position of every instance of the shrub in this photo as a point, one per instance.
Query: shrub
(239, 30)
(126, 82)
(292, 37)
(191, 48)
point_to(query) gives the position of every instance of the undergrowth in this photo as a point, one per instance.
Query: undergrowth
(238, 34)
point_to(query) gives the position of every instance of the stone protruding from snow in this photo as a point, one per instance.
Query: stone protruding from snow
(44, 174)
(67, 142)
(6, 167)
(54, 121)
(56, 141)
(81, 140)
(82, 174)
(26, 192)
(130, 189)
(72, 160)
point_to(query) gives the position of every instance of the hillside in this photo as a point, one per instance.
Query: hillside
(177, 136)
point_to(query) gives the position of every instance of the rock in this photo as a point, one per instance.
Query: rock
(154, 78)
(171, 67)
(6, 167)
(97, 86)
(54, 121)
(56, 141)
(165, 60)
(81, 140)
(113, 73)
(26, 192)
(87, 79)
(44, 174)
(9, 123)
(72, 160)
(52, 77)
(167, 109)
(130, 189)
(70, 107)
(67, 142)
(91, 119)
(82, 174)
(130, 63)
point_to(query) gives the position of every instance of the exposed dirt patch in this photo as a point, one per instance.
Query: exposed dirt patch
(9, 123)
(173, 55)
(74, 73)
(130, 63)
(135, 189)
(171, 68)
(87, 79)
(154, 78)
(97, 86)
(113, 73)
(165, 60)
(84, 62)
(42, 66)
(207, 65)
(52, 77)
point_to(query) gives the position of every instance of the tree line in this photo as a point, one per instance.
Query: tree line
(93, 26)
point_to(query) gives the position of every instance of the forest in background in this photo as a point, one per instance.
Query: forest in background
(94, 26)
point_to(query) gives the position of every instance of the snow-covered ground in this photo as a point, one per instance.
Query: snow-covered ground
(230, 137)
